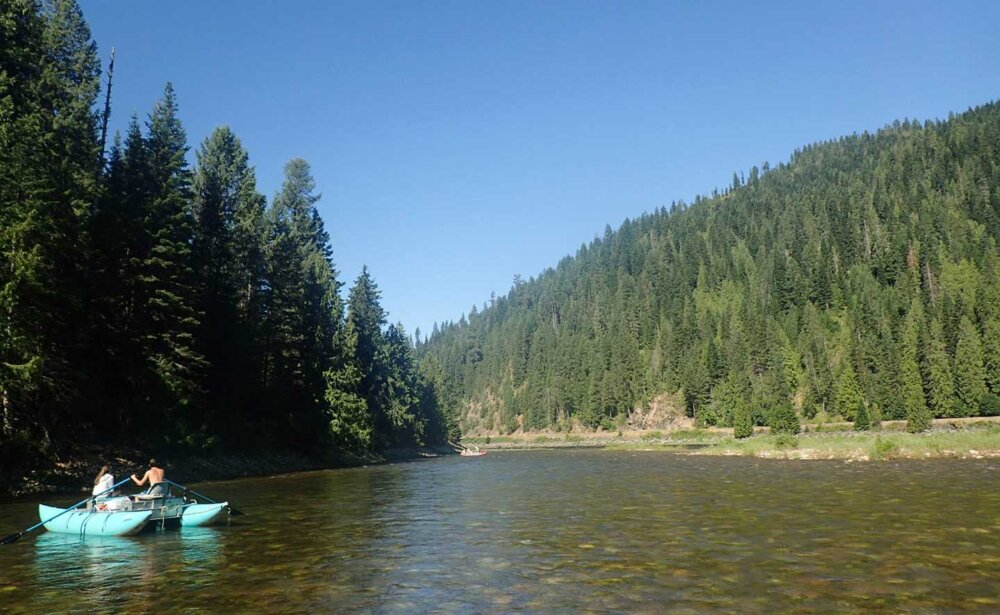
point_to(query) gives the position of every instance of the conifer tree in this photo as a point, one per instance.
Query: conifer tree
(742, 420)
(143, 289)
(991, 352)
(989, 315)
(938, 378)
(302, 308)
(121, 246)
(791, 367)
(435, 407)
(862, 420)
(171, 317)
(349, 416)
(970, 375)
(401, 385)
(367, 318)
(848, 397)
(228, 211)
(918, 416)
(782, 419)
(49, 77)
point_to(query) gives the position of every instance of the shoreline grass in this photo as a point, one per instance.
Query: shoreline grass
(873, 445)
(978, 440)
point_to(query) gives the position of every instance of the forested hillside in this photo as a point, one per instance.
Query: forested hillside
(863, 276)
(149, 302)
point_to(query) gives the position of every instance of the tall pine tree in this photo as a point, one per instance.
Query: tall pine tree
(938, 379)
(228, 213)
(303, 310)
(49, 162)
(367, 319)
(970, 375)
(918, 416)
(171, 314)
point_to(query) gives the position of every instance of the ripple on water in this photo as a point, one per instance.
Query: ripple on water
(550, 532)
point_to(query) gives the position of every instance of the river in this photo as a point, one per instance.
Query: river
(543, 532)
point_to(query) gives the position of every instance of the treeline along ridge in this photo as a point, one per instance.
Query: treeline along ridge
(859, 279)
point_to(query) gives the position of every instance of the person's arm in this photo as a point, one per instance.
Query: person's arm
(141, 482)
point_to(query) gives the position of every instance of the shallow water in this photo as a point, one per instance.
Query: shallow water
(548, 531)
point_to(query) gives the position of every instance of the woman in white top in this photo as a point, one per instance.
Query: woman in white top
(103, 482)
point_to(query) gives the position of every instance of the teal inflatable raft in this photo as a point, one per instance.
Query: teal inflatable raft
(93, 522)
(141, 512)
(196, 515)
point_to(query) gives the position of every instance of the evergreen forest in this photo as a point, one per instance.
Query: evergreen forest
(158, 299)
(858, 281)
(150, 294)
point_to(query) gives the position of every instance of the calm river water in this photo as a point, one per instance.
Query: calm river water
(548, 531)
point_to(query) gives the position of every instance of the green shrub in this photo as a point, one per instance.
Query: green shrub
(703, 416)
(690, 434)
(786, 440)
(783, 420)
(883, 448)
(810, 410)
(874, 416)
(652, 435)
(989, 405)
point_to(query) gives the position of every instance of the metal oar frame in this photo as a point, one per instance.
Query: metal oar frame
(232, 511)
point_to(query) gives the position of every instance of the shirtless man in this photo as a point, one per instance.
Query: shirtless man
(154, 475)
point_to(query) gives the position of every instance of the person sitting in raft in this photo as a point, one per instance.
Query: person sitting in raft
(103, 482)
(154, 475)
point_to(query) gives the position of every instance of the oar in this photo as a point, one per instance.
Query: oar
(232, 511)
(14, 537)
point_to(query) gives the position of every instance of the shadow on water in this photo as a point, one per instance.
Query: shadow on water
(550, 531)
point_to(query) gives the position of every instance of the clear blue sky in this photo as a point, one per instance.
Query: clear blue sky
(459, 143)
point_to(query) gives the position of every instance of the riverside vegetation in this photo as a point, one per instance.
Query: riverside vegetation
(149, 304)
(976, 439)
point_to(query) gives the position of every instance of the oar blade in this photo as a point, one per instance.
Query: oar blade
(6, 540)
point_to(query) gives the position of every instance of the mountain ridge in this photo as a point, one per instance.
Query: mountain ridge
(817, 284)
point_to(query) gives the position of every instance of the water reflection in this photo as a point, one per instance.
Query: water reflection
(101, 571)
(94, 567)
